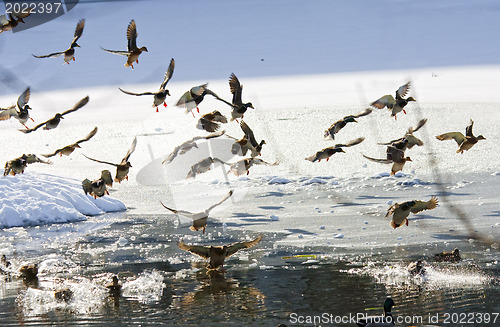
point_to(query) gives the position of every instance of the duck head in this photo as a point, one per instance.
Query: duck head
(58, 116)
(143, 49)
(249, 105)
(480, 137)
(350, 119)
(410, 99)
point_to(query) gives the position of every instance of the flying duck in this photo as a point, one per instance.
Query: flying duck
(199, 218)
(217, 254)
(395, 105)
(247, 143)
(123, 167)
(98, 188)
(395, 155)
(210, 122)
(243, 166)
(161, 95)
(192, 98)
(18, 165)
(54, 121)
(326, 153)
(188, 145)
(22, 114)
(239, 108)
(68, 149)
(9, 22)
(203, 166)
(69, 54)
(338, 125)
(411, 140)
(133, 52)
(400, 211)
(464, 142)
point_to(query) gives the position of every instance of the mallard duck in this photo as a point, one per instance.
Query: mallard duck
(338, 125)
(395, 105)
(69, 54)
(133, 52)
(161, 95)
(192, 98)
(11, 20)
(29, 271)
(199, 218)
(409, 140)
(243, 166)
(400, 211)
(63, 295)
(97, 188)
(247, 143)
(203, 166)
(22, 114)
(239, 108)
(123, 167)
(326, 153)
(188, 145)
(453, 256)
(54, 121)
(416, 268)
(217, 254)
(68, 149)
(18, 165)
(464, 142)
(379, 321)
(395, 156)
(114, 287)
(209, 122)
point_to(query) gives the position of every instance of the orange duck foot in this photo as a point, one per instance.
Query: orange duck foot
(404, 111)
(406, 222)
(327, 159)
(198, 109)
(192, 113)
(165, 104)
(157, 109)
(204, 230)
(137, 60)
(32, 119)
(74, 59)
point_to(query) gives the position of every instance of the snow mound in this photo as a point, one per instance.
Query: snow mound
(38, 199)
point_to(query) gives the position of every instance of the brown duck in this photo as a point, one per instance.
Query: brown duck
(464, 142)
(401, 211)
(68, 149)
(133, 52)
(218, 254)
(395, 105)
(326, 153)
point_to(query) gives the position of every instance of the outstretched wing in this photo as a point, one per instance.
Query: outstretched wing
(419, 125)
(77, 106)
(132, 93)
(52, 154)
(249, 134)
(179, 212)
(130, 151)
(89, 136)
(218, 98)
(391, 209)
(23, 98)
(214, 135)
(218, 203)
(383, 161)
(8, 112)
(366, 112)
(104, 162)
(401, 92)
(385, 101)
(424, 205)
(351, 143)
(29, 130)
(168, 74)
(187, 97)
(52, 55)
(202, 251)
(457, 136)
(235, 247)
(468, 129)
(236, 88)
(131, 36)
(117, 52)
(78, 31)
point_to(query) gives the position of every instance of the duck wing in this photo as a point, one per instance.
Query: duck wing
(424, 205)
(249, 134)
(138, 94)
(188, 96)
(116, 52)
(402, 91)
(366, 112)
(179, 212)
(7, 113)
(89, 136)
(419, 125)
(385, 101)
(78, 31)
(168, 74)
(218, 98)
(236, 88)
(202, 251)
(130, 151)
(77, 106)
(457, 136)
(350, 143)
(235, 247)
(104, 162)
(218, 203)
(383, 161)
(23, 98)
(468, 129)
(52, 55)
(29, 130)
(131, 36)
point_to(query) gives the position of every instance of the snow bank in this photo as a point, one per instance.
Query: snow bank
(38, 199)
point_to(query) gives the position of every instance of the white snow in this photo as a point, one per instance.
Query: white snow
(36, 199)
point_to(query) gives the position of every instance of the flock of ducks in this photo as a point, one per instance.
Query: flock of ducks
(248, 144)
